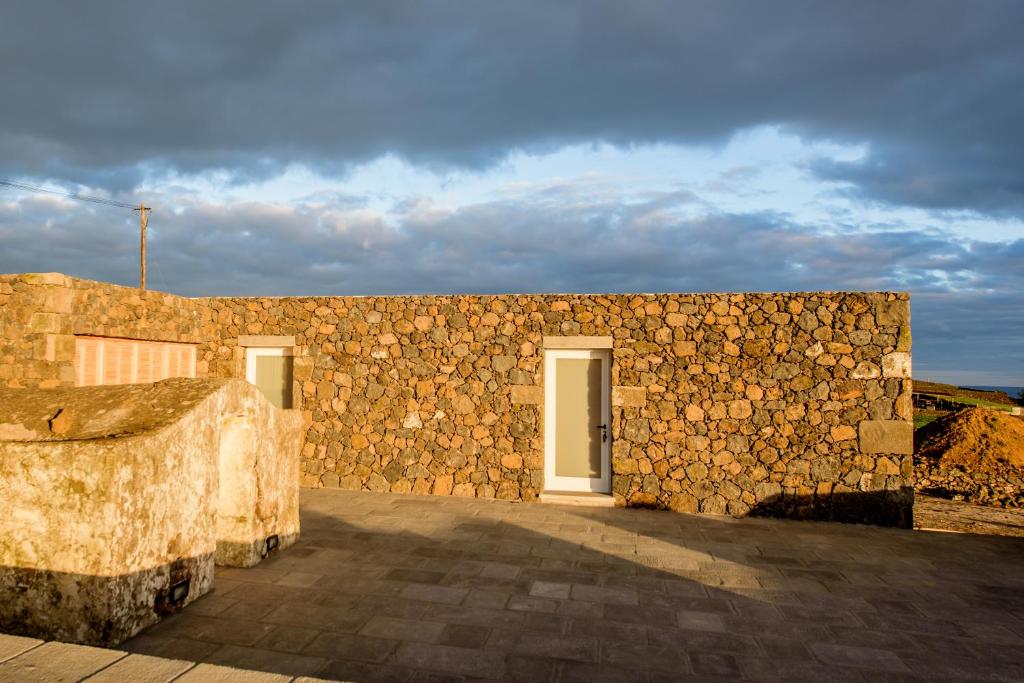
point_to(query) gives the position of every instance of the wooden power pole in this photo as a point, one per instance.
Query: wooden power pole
(143, 220)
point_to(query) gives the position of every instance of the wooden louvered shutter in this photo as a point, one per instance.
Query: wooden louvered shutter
(107, 360)
(87, 362)
(117, 361)
(144, 370)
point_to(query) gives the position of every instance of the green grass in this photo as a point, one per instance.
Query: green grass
(980, 403)
(922, 420)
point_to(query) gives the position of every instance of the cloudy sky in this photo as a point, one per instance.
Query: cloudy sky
(412, 147)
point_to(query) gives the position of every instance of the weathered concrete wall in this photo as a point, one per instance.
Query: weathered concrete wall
(794, 404)
(258, 464)
(111, 496)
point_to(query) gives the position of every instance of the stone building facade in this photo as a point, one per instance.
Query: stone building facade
(41, 313)
(796, 404)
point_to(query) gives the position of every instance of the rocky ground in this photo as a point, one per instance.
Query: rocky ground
(951, 515)
(974, 455)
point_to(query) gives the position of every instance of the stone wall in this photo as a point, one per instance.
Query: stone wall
(795, 404)
(792, 404)
(41, 312)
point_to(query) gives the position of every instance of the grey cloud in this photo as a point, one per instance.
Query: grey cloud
(967, 309)
(972, 334)
(93, 90)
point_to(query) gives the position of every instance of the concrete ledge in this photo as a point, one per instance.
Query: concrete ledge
(265, 340)
(578, 498)
(578, 342)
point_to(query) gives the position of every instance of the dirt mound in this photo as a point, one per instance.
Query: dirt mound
(976, 438)
(975, 454)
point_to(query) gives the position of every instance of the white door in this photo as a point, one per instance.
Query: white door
(270, 369)
(577, 420)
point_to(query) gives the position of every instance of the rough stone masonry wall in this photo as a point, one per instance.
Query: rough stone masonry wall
(795, 404)
(41, 312)
(782, 403)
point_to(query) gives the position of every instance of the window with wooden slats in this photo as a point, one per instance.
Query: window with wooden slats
(109, 360)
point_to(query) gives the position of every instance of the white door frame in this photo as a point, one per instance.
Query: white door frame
(252, 352)
(553, 482)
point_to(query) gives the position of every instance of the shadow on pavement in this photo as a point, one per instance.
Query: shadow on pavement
(403, 588)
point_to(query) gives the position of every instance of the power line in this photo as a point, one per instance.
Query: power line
(141, 208)
(69, 195)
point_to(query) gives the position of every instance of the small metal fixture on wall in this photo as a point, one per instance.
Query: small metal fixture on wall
(178, 592)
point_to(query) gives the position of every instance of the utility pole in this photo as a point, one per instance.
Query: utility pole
(143, 220)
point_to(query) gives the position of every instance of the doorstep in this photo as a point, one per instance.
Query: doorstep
(582, 498)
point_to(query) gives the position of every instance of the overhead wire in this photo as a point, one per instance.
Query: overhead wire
(69, 195)
(74, 195)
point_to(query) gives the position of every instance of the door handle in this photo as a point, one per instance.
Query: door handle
(604, 432)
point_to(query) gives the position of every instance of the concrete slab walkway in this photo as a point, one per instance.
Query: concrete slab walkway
(29, 660)
(403, 588)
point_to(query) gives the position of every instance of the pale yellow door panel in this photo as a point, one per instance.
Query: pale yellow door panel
(578, 415)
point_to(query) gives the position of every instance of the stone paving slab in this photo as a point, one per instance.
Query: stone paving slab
(392, 587)
(963, 517)
(28, 660)
(405, 588)
(141, 669)
(12, 646)
(58, 662)
(386, 587)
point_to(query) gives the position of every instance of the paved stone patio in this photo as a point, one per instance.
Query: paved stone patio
(952, 515)
(404, 588)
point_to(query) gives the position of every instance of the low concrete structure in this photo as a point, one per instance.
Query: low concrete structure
(118, 499)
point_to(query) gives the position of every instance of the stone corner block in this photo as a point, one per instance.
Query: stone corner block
(43, 323)
(905, 339)
(886, 436)
(896, 364)
(629, 397)
(894, 312)
(527, 395)
(57, 279)
(302, 367)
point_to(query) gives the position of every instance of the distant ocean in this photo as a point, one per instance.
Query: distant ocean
(1014, 392)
